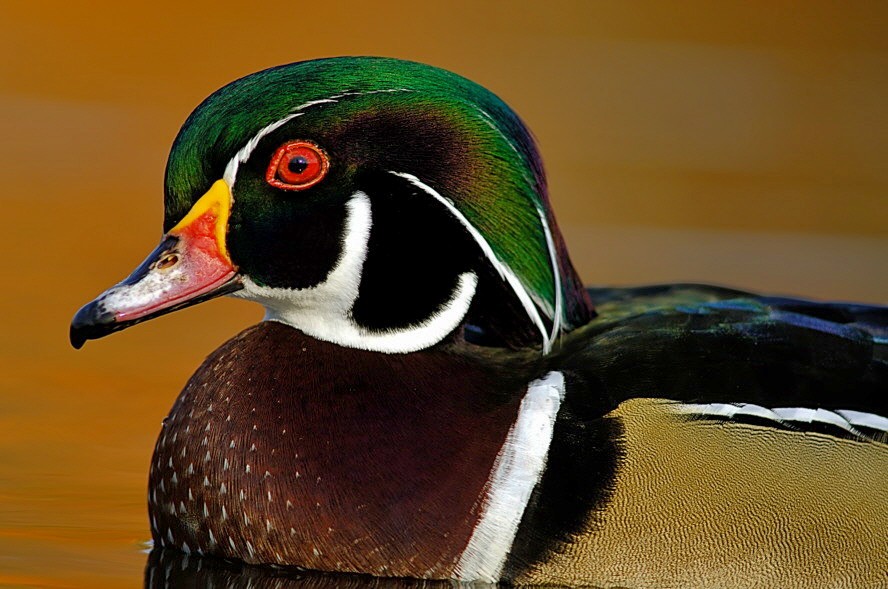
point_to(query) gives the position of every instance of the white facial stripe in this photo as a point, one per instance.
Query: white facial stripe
(324, 311)
(243, 154)
(517, 470)
(555, 315)
(842, 418)
(504, 271)
(556, 273)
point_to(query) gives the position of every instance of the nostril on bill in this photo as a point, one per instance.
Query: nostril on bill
(167, 261)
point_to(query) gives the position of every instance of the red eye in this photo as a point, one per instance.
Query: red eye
(297, 165)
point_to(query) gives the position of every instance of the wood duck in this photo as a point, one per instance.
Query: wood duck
(432, 393)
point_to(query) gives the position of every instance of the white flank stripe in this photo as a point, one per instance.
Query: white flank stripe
(832, 418)
(757, 411)
(504, 271)
(842, 418)
(518, 468)
(862, 419)
(802, 414)
(716, 409)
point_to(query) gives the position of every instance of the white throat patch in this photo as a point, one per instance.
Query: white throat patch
(324, 311)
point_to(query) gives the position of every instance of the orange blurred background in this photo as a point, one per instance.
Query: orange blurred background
(744, 145)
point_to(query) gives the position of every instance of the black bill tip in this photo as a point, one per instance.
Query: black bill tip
(90, 322)
(94, 321)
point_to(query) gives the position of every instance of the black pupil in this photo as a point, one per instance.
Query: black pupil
(297, 164)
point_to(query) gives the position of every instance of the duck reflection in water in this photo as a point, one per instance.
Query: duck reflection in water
(171, 569)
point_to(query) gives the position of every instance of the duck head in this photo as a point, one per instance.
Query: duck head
(370, 202)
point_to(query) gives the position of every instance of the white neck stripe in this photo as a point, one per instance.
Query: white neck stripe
(502, 269)
(518, 468)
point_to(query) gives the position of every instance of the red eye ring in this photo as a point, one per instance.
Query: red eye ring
(297, 165)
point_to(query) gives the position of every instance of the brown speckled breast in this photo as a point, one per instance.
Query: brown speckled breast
(285, 449)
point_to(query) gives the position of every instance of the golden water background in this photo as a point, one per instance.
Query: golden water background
(743, 143)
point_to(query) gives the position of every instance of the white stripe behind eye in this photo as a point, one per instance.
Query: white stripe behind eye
(503, 270)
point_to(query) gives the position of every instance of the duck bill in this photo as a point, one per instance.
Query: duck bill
(191, 265)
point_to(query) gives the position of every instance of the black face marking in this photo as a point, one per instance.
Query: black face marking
(289, 243)
(415, 254)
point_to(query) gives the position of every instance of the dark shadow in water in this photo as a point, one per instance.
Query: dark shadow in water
(172, 569)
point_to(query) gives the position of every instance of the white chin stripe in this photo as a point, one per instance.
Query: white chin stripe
(518, 468)
(324, 311)
(857, 423)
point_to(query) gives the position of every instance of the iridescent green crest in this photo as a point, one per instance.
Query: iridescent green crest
(501, 192)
